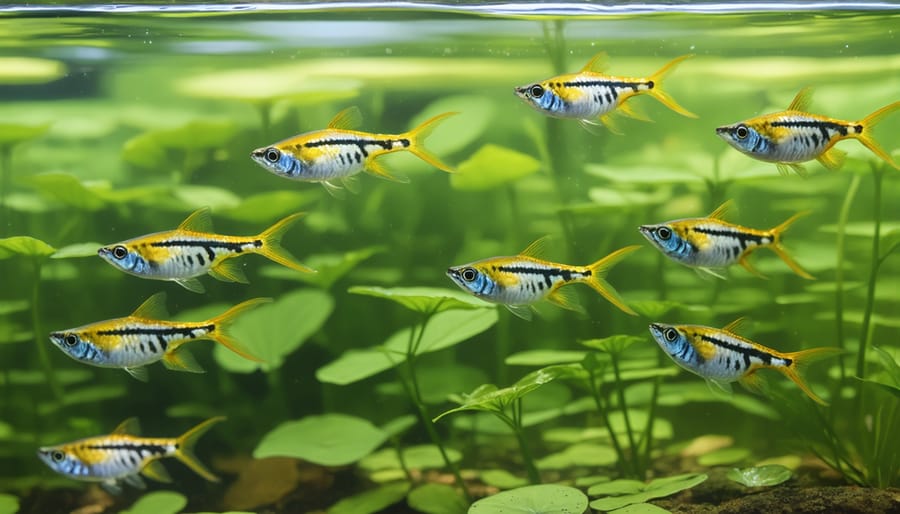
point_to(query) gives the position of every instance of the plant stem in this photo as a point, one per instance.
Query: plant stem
(533, 476)
(620, 391)
(5, 175)
(601, 408)
(877, 175)
(839, 272)
(44, 356)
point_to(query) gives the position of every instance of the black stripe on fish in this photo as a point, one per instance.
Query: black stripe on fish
(612, 84)
(547, 273)
(822, 126)
(148, 331)
(386, 144)
(744, 351)
(155, 449)
(743, 237)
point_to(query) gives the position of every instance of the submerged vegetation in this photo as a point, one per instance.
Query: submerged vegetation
(374, 381)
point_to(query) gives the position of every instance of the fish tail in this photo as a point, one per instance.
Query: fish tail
(271, 244)
(779, 250)
(222, 333)
(186, 443)
(657, 92)
(417, 137)
(597, 278)
(799, 361)
(864, 132)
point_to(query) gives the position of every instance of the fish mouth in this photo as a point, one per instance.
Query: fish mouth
(258, 153)
(645, 229)
(103, 252)
(725, 129)
(521, 91)
(452, 272)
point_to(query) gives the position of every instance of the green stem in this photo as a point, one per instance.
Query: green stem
(602, 409)
(646, 440)
(620, 391)
(44, 356)
(401, 459)
(533, 476)
(877, 175)
(5, 182)
(839, 272)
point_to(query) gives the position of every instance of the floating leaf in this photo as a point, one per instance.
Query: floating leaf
(502, 479)
(493, 166)
(534, 499)
(762, 476)
(371, 501)
(9, 504)
(723, 456)
(77, 250)
(272, 332)
(327, 440)
(158, 502)
(24, 245)
(329, 267)
(424, 299)
(437, 499)
(620, 493)
(544, 357)
(579, 455)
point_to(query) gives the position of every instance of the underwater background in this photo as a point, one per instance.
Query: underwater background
(120, 123)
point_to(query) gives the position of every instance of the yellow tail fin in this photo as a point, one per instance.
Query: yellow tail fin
(271, 244)
(186, 443)
(864, 132)
(657, 92)
(417, 137)
(222, 334)
(598, 281)
(781, 252)
(799, 361)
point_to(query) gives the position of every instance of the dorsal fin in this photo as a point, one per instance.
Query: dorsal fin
(536, 249)
(349, 118)
(152, 308)
(597, 64)
(721, 211)
(802, 100)
(128, 427)
(198, 221)
(735, 326)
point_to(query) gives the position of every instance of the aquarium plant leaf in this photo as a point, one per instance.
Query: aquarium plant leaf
(423, 299)
(77, 250)
(158, 502)
(544, 357)
(13, 332)
(12, 133)
(700, 392)
(761, 476)
(273, 331)
(24, 245)
(492, 166)
(66, 189)
(425, 456)
(461, 130)
(371, 501)
(327, 440)
(534, 499)
(9, 504)
(614, 345)
(437, 499)
(13, 306)
(399, 425)
(84, 395)
(723, 456)
(502, 479)
(437, 382)
(254, 85)
(262, 208)
(654, 309)
(620, 493)
(579, 455)
(329, 267)
(640, 508)
(355, 365)
(890, 241)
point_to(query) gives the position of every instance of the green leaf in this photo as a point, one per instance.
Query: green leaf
(459, 131)
(654, 309)
(255, 85)
(88, 394)
(66, 189)
(640, 508)
(492, 166)
(9, 504)
(13, 133)
(621, 493)
(192, 197)
(890, 241)
(24, 245)
(762, 476)
(329, 267)
(502, 479)
(700, 392)
(371, 501)
(77, 250)
(423, 299)
(272, 332)
(614, 345)
(534, 499)
(264, 207)
(544, 357)
(579, 455)
(158, 502)
(437, 499)
(327, 440)
(13, 306)
(425, 456)
(398, 426)
(723, 456)
(355, 365)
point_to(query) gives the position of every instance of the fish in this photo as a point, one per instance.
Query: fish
(711, 242)
(338, 152)
(519, 281)
(790, 137)
(123, 456)
(142, 338)
(721, 357)
(589, 95)
(192, 250)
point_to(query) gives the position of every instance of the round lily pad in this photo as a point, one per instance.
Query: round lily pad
(534, 499)
(328, 440)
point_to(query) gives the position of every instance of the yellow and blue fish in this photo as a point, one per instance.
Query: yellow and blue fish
(338, 152)
(790, 137)
(590, 95)
(711, 242)
(517, 282)
(721, 357)
(143, 337)
(123, 456)
(192, 250)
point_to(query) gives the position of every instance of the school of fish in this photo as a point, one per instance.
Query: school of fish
(335, 155)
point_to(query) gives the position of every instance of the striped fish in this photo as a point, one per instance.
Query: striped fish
(123, 456)
(339, 152)
(519, 281)
(589, 95)
(706, 243)
(192, 250)
(142, 338)
(790, 137)
(720, 356)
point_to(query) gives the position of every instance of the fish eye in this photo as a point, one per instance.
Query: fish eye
(57, 456)
(671, 334)
(664, 233)
(272, 155)
(120, 252)
(741, 132)
(469, 274)
(536, 91)
(70, 340)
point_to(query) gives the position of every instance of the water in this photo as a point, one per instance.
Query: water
(121, 122)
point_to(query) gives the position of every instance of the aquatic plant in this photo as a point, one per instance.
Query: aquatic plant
(760, 476)
(539, 499)
(622, 493)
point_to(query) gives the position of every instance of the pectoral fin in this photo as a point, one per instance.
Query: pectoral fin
(785, 168)
(139, 373)
(112, 487)
(719, 388)
(135, 481)
(191, 284)
(522, 311)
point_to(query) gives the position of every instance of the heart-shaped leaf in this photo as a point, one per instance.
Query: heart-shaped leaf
(327, 440)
